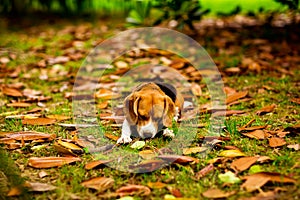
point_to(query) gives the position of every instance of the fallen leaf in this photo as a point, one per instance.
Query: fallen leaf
(48, 162)
(255, 169)
(99, 183)
(134, 190)
(31, 135)
(229, 177)
(196, 89)
(257, 180)
(178, 159)
(111, 137)
(244, 163)
(156, 185)
(235, 96)
(228, 112)
(138, 145)
(102, 105)
(203, 172)
(296, 100)
(252, 128)
(231, 153)
(217, 193)
(18, 105)
(73, 147)
(147, 154)
(296, 147)
(12, 92)
(266, 109)
(192, 150)
(38, 121)
(175, 192)
(257, 134)
(253, 183)
(106, 94)
(14, 191)
(148, 166)
(39, 187)
(276, 142)
(96, 163)
(58, 117)
(43, 174)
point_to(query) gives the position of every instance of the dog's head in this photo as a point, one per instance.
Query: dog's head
(149, 109)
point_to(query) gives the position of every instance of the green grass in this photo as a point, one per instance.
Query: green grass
(68, 178)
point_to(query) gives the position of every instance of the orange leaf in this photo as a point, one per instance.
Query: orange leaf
(96, 163)
(18, 104)
(276, 142)
(156, 185)
(244, 163)
(217, 193)
(257, 134)
(99, 183)
(38, 121)
(204, 171)
(48, 162)
(11, 92)
(31, 135)
(257, 180)
(235, 96)
(58, 117)
(133, 190)
(266, 109)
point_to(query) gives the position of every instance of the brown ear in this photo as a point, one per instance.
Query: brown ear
(130, 108)
(169, 110)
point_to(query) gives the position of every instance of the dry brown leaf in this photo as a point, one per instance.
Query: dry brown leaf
(253, 183)
(257, 180)
(99, 183)
(257, 134)
(134, 190)
(235, 96)
(12, 92)
(102, 105)
(39, 187)
(252, 128)
(7, 141)
(296, 100)
(18, 105)
(38, 121)
(148, 166)
(106, 94)
(196, 89)
(203, 172)
(48, 162)
(228, 112)
(229, 90)
(296, 147)
(96, 163)
(111, 137)
(147, 154)
(244, 163)
(14, 191)
(266, 109)
(217, 193)
(156, 185)
(276, 142)
(58, 117)
(178, 159)
(31, 135)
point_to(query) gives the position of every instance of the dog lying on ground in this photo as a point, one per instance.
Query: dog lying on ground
(148, 109)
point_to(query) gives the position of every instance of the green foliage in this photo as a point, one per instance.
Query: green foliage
(292, 4)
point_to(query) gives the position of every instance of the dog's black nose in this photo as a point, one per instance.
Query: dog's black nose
(147, 135)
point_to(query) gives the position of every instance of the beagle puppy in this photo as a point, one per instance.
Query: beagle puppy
(149, 108)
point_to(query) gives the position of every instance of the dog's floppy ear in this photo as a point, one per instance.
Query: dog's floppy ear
(169, 109)
(131, 108)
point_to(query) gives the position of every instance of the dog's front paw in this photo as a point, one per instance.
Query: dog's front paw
(168, 133)
(124, 140)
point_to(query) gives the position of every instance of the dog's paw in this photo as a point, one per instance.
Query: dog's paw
(168, 133)
(124, 140)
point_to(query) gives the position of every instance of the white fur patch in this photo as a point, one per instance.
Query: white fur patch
(147, 131)
(168, 133)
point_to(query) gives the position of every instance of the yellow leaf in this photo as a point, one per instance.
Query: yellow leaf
(231, 153)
